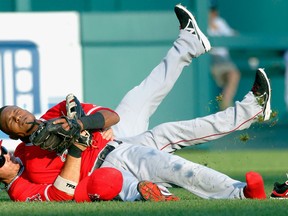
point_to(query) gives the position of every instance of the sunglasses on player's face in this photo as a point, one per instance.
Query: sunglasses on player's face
(2, 158)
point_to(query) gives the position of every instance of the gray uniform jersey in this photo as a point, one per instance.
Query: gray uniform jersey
(146, 154)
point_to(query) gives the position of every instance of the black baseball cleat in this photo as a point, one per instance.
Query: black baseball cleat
(262, 91)
(280, 191)
(188, 23)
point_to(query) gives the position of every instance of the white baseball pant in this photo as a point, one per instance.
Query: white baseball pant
(146, 154)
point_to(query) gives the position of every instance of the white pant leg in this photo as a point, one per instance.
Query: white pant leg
(141, 102)
(129, 190)
(146, 163)
(175, 135)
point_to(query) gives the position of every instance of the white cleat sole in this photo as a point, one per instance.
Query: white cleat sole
(267, 111)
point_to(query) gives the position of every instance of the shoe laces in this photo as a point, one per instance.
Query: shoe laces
(189, 27)
(261, 99)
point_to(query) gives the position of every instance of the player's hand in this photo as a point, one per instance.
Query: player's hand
(108, 134)
(63, 122)
(79, 145)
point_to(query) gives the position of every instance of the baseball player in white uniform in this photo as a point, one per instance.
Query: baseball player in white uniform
(146, 154)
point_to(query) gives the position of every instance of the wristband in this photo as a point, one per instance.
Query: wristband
(65, 185)
(74, 151)
(94, 121)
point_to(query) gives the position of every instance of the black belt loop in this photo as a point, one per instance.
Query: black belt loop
(117, 141)
(104, 152)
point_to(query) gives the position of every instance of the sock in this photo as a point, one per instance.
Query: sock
(255, 186)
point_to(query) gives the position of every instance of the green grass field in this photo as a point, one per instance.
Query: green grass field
(271, 164)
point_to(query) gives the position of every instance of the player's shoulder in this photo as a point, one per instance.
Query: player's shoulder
(91, 108)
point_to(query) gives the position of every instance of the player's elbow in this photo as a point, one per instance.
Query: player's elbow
(111, 118)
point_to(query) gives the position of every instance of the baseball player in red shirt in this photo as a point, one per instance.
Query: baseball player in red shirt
(45, 181)
(145, 155)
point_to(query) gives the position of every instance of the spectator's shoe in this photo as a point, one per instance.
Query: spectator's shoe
(262, 91)
(255, 186)
(280, 191)
(151, 192)
(188, 23)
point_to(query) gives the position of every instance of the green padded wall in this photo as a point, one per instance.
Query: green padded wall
(120, 50)
(257, 16)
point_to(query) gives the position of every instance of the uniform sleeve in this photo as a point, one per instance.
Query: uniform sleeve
(60, 110)
(56, 111)
(42, 166)
(91, 108)
(23, 190)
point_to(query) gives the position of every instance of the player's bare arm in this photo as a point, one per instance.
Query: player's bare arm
(103, 119)
(110, 118)
(100, 120)
(70, 174)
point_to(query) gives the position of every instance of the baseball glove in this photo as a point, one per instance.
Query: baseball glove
(74, 111)
(53, 137)
(73, 107)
